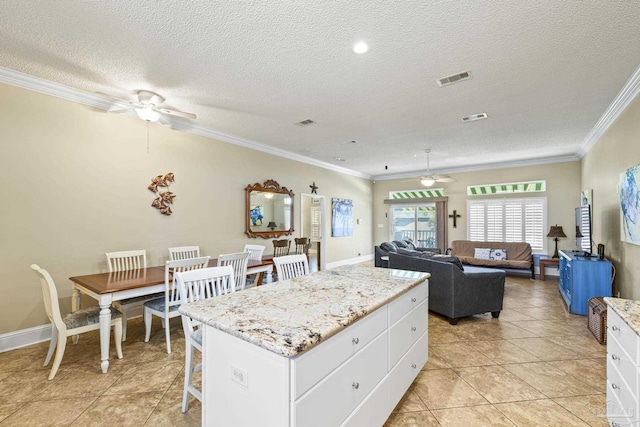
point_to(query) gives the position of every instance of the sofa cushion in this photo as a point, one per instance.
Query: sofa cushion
(409, 252)
(400, 244)
(410, 244)
(389, 247)
(517, 251)
(447, 258)
(428, 254)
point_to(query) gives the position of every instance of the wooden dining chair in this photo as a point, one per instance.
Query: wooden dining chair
(167, 307)
(72, 324)
(128, 261)
(290, 266)
(281, 247)
(302, 245)
(238, 261)
(184, 252)
(196, 285)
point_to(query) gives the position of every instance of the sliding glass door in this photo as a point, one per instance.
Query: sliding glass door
(416, 222)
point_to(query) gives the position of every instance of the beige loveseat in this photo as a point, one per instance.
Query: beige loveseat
(518, 254)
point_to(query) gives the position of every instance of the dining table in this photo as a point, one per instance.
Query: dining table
(115, 286)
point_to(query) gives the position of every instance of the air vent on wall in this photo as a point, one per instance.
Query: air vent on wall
(307, 122)
(474, 117)
(455, 78)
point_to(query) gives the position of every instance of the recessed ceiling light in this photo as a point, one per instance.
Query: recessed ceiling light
(360, 47)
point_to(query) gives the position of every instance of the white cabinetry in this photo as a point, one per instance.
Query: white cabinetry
(355, 378)
(623, 369)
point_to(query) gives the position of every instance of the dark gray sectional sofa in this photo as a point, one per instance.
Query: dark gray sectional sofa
(454, 292)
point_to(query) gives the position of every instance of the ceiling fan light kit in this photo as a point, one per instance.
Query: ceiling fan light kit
(148, 113)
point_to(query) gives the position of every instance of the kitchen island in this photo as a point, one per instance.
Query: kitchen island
(337, 348)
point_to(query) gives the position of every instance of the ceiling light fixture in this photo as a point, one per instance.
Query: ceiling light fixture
(360, 47)
(148, 113)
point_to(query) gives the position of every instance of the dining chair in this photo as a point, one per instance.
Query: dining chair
(128, 261)
(290, 266)
(302, 245)
(74, 323)
(167, 307)
(184, 252)
(238, 261)
(281, 247)
(196, 285)
(255, 251)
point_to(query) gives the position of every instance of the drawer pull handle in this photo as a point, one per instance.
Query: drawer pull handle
(615, 386)
(413, 329)
(413, 300)
(414, 366)
(355, 385)
(355, 340)
(615, 328)
(614, 357)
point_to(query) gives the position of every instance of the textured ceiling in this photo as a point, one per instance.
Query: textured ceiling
(543, 71)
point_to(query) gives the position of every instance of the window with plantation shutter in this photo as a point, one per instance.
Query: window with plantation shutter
(508, 220)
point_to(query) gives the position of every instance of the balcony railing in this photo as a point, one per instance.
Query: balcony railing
(425, 239)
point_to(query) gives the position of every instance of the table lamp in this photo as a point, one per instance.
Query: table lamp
(272, 225)
(556, 232)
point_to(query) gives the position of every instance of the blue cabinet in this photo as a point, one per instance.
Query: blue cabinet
(583, 277)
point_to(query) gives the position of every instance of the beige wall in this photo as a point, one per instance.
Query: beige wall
(75, 186)
(615, 152)
(563, 195)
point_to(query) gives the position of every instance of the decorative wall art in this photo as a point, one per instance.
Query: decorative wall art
(342, 219)
(629, 205)
(164, 199)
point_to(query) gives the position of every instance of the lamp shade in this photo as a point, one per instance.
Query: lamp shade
(272, 225)
(556, 231)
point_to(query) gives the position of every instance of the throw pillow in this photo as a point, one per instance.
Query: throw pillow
(400, 243)
(482, 253)
(498, 254)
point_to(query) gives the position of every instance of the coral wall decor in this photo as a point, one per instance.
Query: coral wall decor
(165, 198)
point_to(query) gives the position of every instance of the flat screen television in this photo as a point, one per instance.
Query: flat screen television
(583, 228)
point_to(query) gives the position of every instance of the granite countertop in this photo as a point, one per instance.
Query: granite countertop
(628, 309)
(291, 316)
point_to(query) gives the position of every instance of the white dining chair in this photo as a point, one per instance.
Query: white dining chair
(238, 261)
(184, 252)
(72, 324)
(290, 266)
(167, 307)
(128, 261)
(255, 253)
(196, 285)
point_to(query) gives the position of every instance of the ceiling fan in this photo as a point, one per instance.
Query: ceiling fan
(148, 108)
(428, 180)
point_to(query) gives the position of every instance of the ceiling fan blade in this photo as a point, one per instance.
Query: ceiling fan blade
(148, 97)
(445, 179)
(122, 110)
(164, 121)
(178, 113)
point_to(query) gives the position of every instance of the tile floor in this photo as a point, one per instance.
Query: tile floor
(536, 365)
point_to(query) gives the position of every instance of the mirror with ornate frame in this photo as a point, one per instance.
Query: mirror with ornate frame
(269, 210)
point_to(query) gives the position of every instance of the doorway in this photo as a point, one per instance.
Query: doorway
(312, 225)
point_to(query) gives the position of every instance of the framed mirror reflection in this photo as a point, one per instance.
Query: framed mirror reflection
(269, 210)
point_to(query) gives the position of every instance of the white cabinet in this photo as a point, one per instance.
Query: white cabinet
(623, 369)
(353, 379)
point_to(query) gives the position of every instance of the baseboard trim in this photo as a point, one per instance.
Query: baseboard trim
(350, 261)
(24, 337)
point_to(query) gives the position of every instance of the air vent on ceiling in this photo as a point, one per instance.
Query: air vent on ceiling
(455, 78)
(474, 117)
(307, 122)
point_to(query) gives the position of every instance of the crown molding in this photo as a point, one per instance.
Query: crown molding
(47, 87)
(488, 166)
(626, 95)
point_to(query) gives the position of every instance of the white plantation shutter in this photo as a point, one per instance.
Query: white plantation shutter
(315, 222)
(508, 220)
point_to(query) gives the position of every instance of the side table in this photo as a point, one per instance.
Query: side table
(547, 261)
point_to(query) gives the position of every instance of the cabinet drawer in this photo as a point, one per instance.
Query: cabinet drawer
(619, 358)
(407, 369)
(331, 401)
(627, 338)
(407, 302)
(374, 411)
(406, 332)
(618, 388)
(315, 364)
